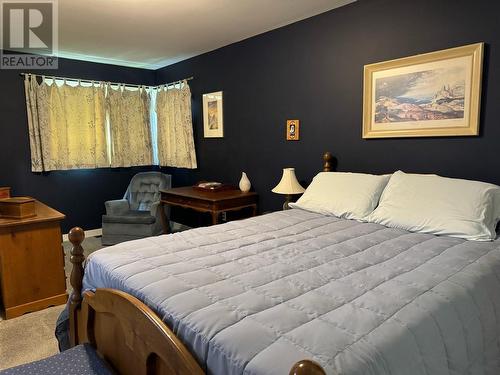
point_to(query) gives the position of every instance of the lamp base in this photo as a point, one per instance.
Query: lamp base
(286, 205)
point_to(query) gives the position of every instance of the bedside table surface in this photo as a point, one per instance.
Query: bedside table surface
(212, 196)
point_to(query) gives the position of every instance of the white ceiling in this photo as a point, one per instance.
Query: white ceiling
(155, 33)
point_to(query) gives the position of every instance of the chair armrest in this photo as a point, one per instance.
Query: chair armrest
(117, 207)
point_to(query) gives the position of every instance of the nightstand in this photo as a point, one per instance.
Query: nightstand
(213, 202)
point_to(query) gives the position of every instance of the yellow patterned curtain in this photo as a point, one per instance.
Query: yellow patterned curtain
(175, 127)
(67, 126)
(36, 100)
(101, 125)
(129, 127)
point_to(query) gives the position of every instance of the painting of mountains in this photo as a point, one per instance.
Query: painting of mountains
(433, 94)
(437, 94)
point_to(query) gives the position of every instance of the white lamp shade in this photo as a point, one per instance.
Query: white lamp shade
(288, 183)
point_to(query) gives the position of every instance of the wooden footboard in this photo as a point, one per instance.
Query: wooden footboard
(131, 337)
(128, 334)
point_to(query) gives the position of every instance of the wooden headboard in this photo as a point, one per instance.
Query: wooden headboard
(327, 161)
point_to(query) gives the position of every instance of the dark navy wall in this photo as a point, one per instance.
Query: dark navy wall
(79, 194)
(313, 71)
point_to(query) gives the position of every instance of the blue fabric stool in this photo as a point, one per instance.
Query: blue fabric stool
(80, 360)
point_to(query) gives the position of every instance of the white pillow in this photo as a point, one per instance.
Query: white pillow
(345, 195)
(439, 205)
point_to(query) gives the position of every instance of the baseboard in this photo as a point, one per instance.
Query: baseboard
(88, 233)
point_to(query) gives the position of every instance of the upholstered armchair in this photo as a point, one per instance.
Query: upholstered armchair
(138, 214)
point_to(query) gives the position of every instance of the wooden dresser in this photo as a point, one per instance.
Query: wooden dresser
(32, 262)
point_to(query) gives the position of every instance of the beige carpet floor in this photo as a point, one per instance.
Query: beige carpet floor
(31, 337)
(28, 338)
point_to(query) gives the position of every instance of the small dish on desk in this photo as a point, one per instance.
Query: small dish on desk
(212, 186)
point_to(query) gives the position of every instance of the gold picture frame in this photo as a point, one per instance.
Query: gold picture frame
(429, 95)
(292, 130)
(213, 121)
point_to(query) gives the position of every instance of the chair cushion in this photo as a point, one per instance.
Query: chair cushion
(81, 360)
(130, 217)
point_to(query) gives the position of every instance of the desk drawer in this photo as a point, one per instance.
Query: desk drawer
(187, 202)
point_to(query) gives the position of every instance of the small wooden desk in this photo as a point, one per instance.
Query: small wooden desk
(32, 262)
(213, 202)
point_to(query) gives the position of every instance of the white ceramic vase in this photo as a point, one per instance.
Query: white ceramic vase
(245, 184)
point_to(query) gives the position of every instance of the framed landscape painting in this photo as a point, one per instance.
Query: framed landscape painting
(429, 95)
(213, 126)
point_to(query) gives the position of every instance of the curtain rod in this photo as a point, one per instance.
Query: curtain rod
(111, 83)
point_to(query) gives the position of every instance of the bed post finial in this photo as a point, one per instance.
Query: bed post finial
(327, 161)
(307, 367)
(76, 237)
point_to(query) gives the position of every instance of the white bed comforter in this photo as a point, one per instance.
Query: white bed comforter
(255, 296)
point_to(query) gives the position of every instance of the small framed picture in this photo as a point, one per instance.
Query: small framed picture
(292, 130)
(213, 125)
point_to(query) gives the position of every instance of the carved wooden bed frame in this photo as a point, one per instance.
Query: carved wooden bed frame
(129, 335)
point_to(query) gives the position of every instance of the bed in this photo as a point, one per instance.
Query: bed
(300, 292)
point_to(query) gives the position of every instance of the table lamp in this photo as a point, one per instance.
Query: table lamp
(288, 186)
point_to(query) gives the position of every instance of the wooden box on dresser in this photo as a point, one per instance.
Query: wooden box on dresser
(4, 192)
(32, 262)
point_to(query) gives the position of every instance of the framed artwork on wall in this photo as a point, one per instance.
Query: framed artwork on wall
(428, 95)
(213, 125)
(292, 130)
